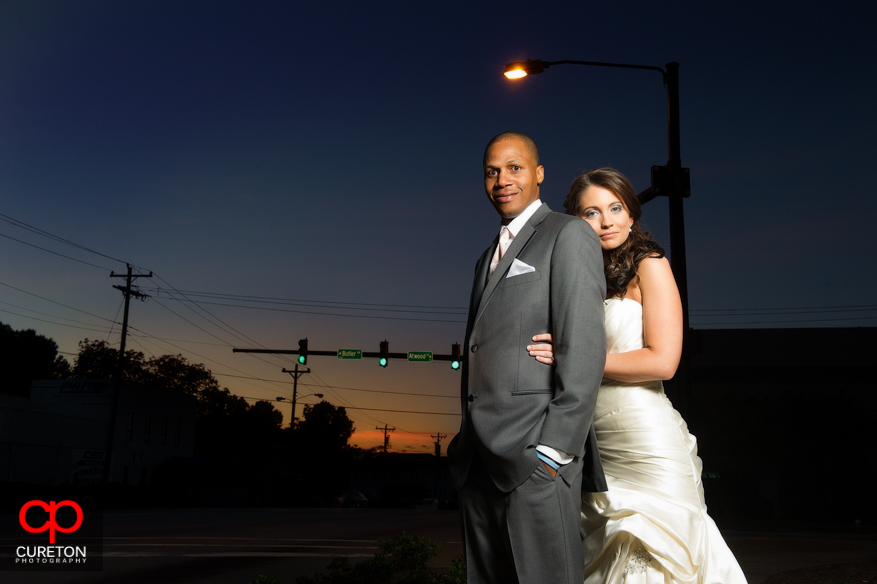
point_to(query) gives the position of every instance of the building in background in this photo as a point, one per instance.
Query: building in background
(783, 419)
(396, 478)
(58, 435)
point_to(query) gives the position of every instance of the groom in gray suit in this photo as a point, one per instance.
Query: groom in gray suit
(526, 442)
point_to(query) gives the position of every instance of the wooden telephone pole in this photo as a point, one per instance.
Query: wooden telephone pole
(386, 429)
(128, 292)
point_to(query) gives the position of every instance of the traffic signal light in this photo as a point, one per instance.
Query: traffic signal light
(456, 361)
(384, 357)
(303, 351)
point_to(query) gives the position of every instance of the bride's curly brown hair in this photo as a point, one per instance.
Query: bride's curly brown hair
(620, 264)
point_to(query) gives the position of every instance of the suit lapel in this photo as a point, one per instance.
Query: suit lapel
(517, 246)
(481, 272)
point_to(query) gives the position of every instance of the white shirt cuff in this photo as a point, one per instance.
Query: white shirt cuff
(555, 455)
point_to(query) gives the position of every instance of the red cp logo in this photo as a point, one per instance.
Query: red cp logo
(51, 508)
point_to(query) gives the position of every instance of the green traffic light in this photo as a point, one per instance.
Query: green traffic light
(384, 355)
(455, 365)
(303, 351)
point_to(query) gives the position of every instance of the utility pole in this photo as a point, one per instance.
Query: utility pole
(438, 443)
(295, 375)
(386, 435)
(128, 292)
(438, 453)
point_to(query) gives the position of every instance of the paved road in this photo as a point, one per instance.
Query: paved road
(233, 546)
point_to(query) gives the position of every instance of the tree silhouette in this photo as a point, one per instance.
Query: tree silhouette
(262, 424)
(223, 420)
(25, 356)
(175, 372)
(98, 360)
(325, 429)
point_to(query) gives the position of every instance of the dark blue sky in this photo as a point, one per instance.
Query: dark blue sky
(331, 154)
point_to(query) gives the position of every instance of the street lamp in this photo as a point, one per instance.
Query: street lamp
(671, 181)
(280, 398)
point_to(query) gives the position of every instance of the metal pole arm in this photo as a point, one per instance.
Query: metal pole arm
(365, 354)
(547, 64)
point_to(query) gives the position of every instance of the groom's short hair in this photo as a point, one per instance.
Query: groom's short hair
(527, 140)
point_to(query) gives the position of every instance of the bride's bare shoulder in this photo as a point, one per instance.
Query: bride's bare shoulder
(654, 268)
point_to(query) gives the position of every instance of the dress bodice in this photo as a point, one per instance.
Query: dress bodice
(624, 325)
(624, 332)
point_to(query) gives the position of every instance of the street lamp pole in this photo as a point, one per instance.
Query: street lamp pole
(679, 188)
(280, 399)
(295, 375)
(672, 181)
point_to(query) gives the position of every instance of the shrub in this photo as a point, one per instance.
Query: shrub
(401, 560)
(263, 579)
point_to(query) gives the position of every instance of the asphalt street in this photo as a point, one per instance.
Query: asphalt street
(234, 546)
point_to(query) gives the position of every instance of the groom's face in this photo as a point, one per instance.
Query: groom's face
(511, 177)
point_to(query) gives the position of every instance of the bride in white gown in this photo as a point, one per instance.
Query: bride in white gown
(652, 525)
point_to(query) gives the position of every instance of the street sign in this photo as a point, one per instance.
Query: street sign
(350, 353)
(420, 356)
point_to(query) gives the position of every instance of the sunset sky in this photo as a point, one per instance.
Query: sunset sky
(291, 170)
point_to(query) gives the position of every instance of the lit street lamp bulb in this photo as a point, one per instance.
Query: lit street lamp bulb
(515, 73)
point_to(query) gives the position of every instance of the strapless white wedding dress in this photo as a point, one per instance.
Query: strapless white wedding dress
(652, 525)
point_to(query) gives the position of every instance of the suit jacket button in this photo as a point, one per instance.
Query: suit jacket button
(471, 397)
(474, 348)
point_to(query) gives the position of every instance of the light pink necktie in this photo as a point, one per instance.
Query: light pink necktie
(505, 238)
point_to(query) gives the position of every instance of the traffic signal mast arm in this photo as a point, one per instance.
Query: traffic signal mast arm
(311, 352)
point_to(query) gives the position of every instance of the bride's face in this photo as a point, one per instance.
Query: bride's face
(606, 213)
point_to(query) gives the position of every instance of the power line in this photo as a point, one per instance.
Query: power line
(47, 314)
(279, 401)
(43, 233)
(785, 321)
(223, 344)
(269, 309)
(204, 331)
(326, 303)
(53, 322)
(843, 307)
(115, 319)
(236, 333)
(139, 344)
(192, 352)
(181, 317)
(377, 306)
(389, 392)
(55, 302)
(147, 335)
(403, 411)
(345, 388)
(335, 393)
(55, 253)
(38, 231)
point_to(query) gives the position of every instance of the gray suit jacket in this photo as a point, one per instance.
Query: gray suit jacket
(510, 402)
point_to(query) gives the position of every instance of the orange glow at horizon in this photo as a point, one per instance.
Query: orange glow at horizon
(410, 442)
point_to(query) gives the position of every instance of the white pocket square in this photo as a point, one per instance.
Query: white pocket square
(518, 268)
